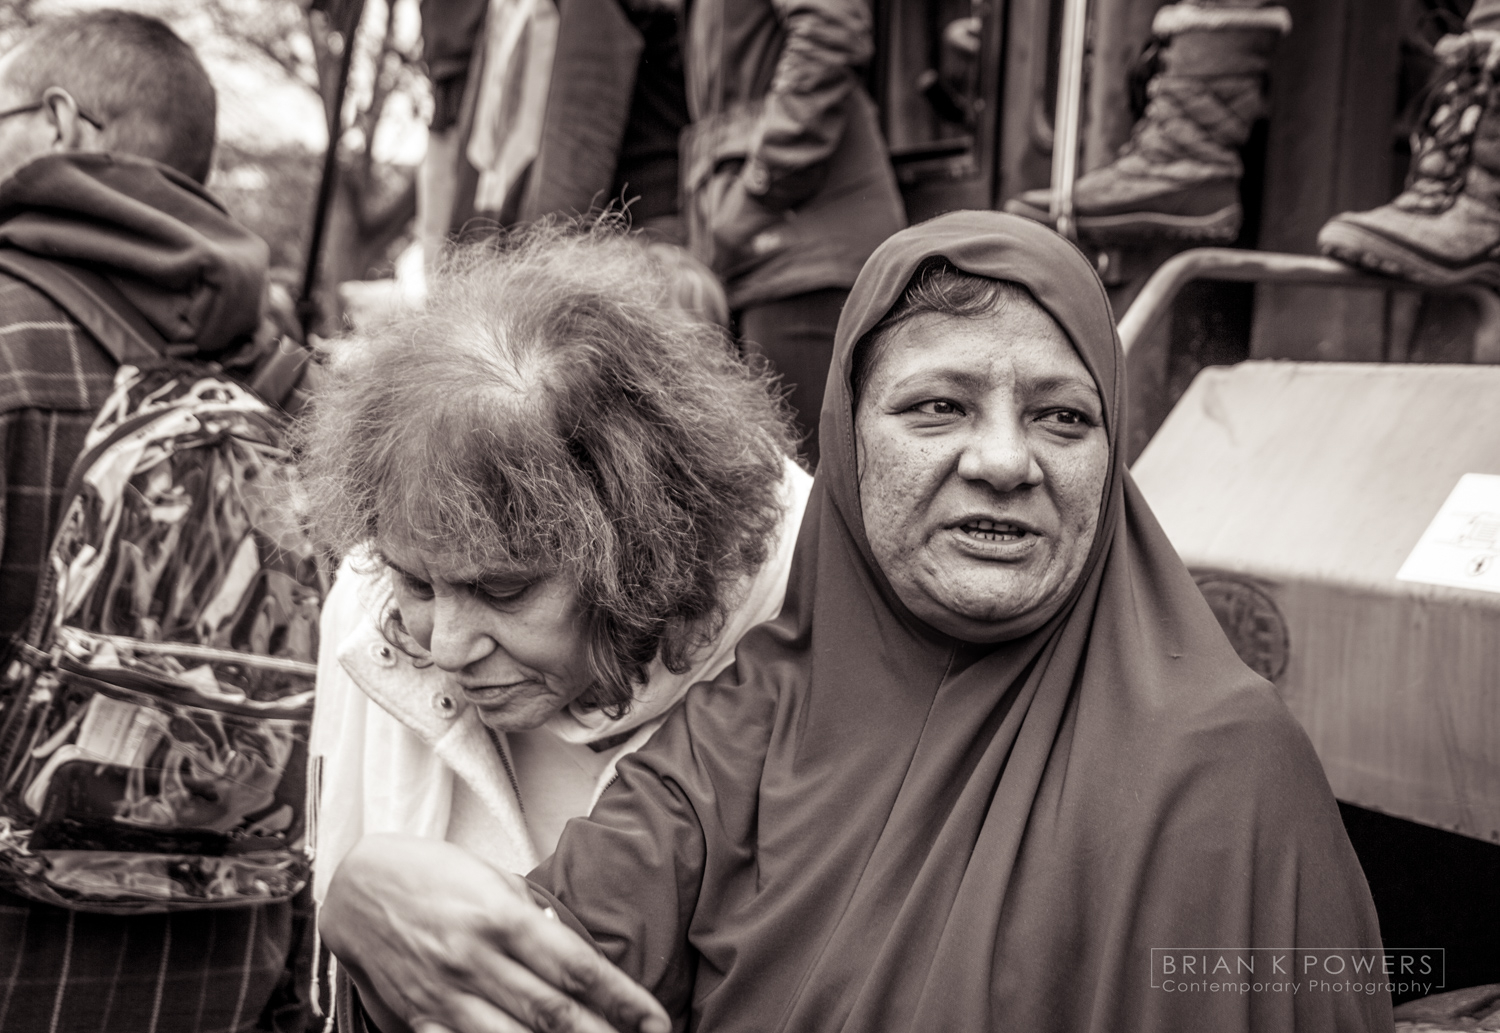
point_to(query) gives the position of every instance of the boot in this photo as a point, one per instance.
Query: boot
(1444, 227)
(1178, 176)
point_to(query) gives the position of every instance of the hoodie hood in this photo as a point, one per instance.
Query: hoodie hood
(164, 242)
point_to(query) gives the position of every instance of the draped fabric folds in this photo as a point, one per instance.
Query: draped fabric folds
(866, 826)
(511, 101)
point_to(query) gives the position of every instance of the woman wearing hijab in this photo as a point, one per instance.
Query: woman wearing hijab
(992, 763)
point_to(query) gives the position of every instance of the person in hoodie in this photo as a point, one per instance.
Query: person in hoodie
(106, 135)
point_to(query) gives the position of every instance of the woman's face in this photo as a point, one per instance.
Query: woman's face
(514, 643)
(982, 459)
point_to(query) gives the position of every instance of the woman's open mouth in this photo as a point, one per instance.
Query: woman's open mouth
(993, 531)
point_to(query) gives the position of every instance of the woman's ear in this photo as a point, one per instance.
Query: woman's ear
(73, 132)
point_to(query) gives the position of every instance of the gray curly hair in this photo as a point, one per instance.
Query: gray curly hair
(549, 408)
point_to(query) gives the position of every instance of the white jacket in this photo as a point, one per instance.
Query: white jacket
(395, 748)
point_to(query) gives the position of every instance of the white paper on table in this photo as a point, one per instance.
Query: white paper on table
(1461, 547)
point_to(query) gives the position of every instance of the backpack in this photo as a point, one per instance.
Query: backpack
(154, 715)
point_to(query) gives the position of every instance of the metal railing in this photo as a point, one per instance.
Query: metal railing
(1154, 303)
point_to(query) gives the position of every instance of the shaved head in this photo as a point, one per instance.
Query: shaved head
(132, 73)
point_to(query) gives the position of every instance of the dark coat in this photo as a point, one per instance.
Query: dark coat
(787, 182)
(615, 109)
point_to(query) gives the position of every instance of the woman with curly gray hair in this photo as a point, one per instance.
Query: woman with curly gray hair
(562, 502)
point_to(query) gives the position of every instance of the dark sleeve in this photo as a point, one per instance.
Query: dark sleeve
(588, 110)
(807, 106)
(349, 1012)
(449, 30)
(630, 874)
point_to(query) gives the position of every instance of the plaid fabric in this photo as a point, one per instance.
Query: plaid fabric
(53, 378)
(61, 971)
(207, 971)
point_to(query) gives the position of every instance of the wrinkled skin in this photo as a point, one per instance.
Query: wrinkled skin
(982, 460)
(514, 641)
(438, 940)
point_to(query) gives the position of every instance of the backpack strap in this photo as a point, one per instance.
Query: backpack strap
(94, 302)
(97, 306)
(280, 379)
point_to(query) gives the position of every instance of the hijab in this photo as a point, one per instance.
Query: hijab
(864, 825)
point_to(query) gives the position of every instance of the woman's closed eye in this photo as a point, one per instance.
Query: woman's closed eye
(412, 584)
(500, 593)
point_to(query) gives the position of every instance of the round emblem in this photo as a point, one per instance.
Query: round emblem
(1251, 620)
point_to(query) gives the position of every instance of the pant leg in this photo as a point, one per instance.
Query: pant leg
(1485, 14)
(795, 335)
(210, 971)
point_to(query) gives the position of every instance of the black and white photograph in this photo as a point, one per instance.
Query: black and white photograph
(749, 516)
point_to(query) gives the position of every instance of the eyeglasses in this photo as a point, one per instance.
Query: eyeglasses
(39, 105)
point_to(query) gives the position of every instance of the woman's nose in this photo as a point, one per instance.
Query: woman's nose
(455, 639)
(999, 454)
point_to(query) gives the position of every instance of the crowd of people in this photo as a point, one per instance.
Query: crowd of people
(655, 692)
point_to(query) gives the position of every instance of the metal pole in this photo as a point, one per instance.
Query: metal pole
(1066, 119)
(306, 308)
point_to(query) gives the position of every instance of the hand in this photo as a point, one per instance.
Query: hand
(445, 942)
(737, 221)
(963, 36)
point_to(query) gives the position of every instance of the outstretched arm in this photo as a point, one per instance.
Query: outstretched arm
(437, 939)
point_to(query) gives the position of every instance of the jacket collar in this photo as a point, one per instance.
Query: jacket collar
(423, 700)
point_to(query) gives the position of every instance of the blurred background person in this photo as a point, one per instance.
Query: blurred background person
(543, 109)
(785, 173)
(449, 31)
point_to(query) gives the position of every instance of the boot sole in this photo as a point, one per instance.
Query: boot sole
(1145, 227)
(1369, 250)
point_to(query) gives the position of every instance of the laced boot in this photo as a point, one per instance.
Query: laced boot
(1178, 176)
(1444, 227)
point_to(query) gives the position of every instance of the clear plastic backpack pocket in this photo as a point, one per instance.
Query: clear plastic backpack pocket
(140, 776)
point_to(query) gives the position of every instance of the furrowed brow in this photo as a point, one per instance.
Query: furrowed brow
(1063, 382)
